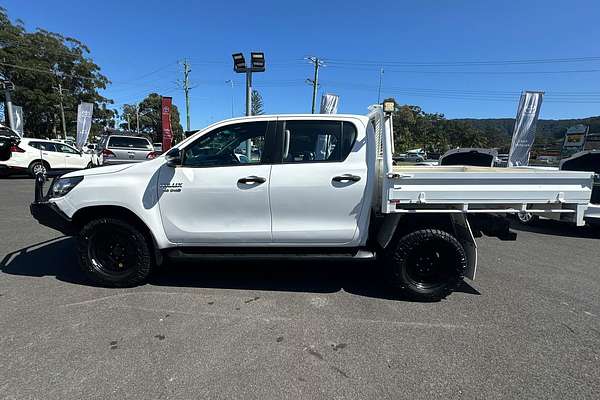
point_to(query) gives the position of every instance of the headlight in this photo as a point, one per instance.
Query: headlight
(62, 186)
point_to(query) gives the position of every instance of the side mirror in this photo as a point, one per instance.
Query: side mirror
(174, 157)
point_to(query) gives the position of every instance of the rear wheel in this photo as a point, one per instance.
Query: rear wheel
(38, 167)
(113, 252)
(427, 264)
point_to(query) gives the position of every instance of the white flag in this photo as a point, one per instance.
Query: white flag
(84, 122)
(525, 125)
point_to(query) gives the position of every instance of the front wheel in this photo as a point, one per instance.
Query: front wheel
(527, 218)
(427, 265)
(113, 252)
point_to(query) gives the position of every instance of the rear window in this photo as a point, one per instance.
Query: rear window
(129, 143)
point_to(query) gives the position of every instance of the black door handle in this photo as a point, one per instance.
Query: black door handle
(252, 179)
(346, 178)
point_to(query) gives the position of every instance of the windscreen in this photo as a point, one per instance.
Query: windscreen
(129, 143)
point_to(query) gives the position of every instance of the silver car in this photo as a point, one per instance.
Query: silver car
(117, 149)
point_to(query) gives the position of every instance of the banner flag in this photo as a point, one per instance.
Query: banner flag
(18, 119)
(329, 103)
(167, 138)
(525, 125)
(84, 123)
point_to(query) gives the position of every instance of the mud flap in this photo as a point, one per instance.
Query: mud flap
(463, 233)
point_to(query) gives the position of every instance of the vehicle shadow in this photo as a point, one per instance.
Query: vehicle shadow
(557, 228)
(363, 278)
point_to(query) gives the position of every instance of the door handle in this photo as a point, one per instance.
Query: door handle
(346, 178)
(252, 179)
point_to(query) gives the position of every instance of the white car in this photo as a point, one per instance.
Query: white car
(317, 186)
(38, 155)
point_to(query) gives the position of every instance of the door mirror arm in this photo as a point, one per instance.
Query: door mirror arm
(174, 157)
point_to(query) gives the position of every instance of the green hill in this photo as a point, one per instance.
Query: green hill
(546, 128)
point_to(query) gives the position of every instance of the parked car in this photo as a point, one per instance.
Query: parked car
(119, 149)
(476, 157)
(322, 187)
(39, 155)
(587, 160)
(8, 139)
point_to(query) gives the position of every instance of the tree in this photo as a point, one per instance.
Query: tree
(151, 118)
(257, 103)
(37, 62)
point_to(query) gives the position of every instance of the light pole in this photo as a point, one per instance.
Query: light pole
(239, 66)
(230, 81)
(257, 65)
(8, 86)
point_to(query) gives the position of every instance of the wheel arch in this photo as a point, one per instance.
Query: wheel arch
(87, 214)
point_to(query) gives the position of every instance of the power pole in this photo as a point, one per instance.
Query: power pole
(137, 118)
(230, 81)
(315, 81)
(379, 89)
(62, 109)
(186, 89)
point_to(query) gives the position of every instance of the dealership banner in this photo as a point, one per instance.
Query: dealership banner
(525, 125)
(84, 123)
(329, 103)
(167, 133)
(18, 119)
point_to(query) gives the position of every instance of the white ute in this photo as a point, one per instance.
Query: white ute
(310, 186)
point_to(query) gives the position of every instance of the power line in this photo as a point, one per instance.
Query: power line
(462, 63)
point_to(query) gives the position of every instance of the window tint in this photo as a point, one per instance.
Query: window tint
(230, 145)
(129, 142)
(66, 149)
(314, 141)
(45, 146)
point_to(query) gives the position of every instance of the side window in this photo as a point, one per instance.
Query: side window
(66, 149)
(317, 141)
(229, 145)
(45, 146)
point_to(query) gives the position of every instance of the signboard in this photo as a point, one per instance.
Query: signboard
(167, 133)
(329, 103)
(84, 123)
(18, 119)
(525, 125)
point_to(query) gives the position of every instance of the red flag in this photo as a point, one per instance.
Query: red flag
(166, 123)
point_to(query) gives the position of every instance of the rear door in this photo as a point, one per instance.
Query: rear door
(317, 190)
(129, 149)
(48, 151)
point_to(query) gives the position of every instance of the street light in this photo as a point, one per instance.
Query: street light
(257, 60)
(8, 86)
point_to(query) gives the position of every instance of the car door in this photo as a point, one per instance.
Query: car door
(49, 152)
(73, 158)
(220, 193)
(318, 188)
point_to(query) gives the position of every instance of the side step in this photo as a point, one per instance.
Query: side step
(196, 253)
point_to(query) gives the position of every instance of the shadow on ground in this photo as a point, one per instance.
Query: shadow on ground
(57, 258)
(557, 228)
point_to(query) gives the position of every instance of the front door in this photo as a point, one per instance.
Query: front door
(317, 191)
(73, 158)
(220, 193)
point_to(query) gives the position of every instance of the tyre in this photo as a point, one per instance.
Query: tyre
(90, 165)
(38, 166)
(527, 218)
(115, 253)
(427, 265)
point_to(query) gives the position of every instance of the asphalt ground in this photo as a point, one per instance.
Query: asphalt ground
(528, 327)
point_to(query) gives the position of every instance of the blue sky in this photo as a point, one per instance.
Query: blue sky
(431, 51)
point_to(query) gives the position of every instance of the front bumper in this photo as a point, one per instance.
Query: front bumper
(46, 212)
